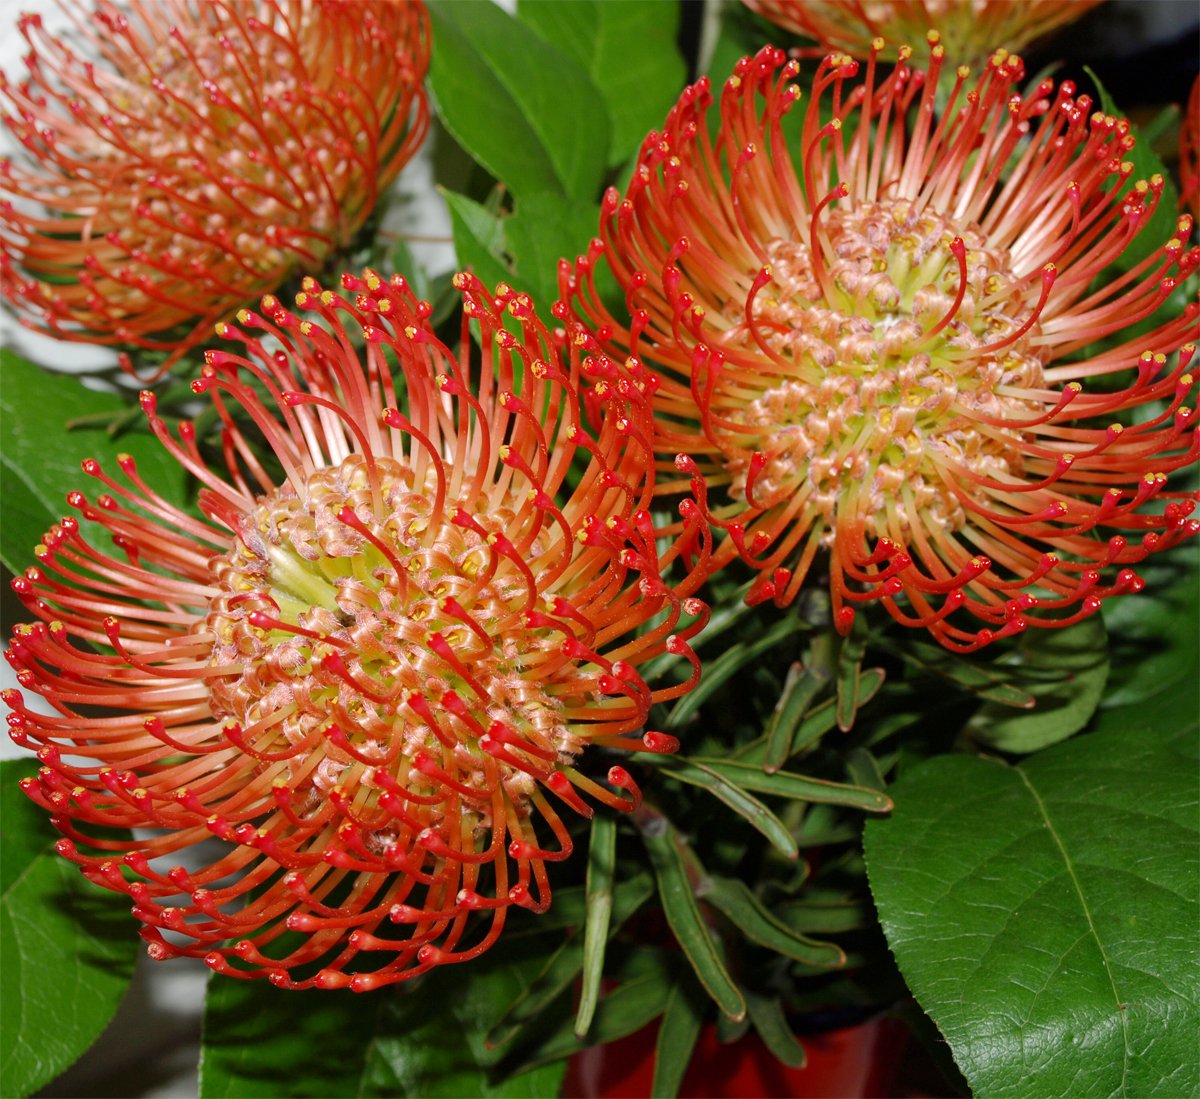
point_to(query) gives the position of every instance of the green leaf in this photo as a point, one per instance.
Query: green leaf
(717, 672)
(68, 947)
(766, 1013)
(602, 856)
(565, 964)
(640, 995)
(426, 1039)
(432, 1043)
(42, 457)
(677, 1036)
(478, 239)
(1065, 671)
(752, 918)
(629, 51)
(787, 785)
(683, 913)
(803, 684)
(524, 109)
(256, 1042)
(1146, 163)
(1044, 914)
(1154, 660)
(733, 797)
(988, 682)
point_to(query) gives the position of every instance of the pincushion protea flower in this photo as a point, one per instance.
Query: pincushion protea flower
(970, 29)
(192, 154)
(369, 684)
(872, 340)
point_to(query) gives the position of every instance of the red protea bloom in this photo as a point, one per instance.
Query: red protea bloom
(871, 339)
(970, 29)
(194, 153)
(369, 684)
(1189, 153)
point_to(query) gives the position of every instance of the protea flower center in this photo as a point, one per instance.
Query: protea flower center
(349, 628)
(897, 329)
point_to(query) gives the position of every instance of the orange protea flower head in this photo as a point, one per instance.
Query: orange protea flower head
(1189, 153)
(970, 29)
(871, 340)
(183, 157)
(371, 679)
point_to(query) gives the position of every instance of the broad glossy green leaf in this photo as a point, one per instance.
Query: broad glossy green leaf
(68, 947)
(526, 110)
(1146, 163)
(478, 239)
(628, 49)
(544, 228)
(1065, 672)
(1044, 915)
(42, 457)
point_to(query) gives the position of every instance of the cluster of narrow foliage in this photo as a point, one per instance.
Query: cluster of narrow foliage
(321, 730)
(180, 158)
(868, 334)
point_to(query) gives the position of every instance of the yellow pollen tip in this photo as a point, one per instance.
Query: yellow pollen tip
(1126, 166)
(306, 327)
(581, 535)
(374, 282)
(878, 43)
(504, 451)
(835, 124)
(410, 332)
(326, 297)
(309, 283)
(243, 315)
(962, 72)
(221, 328)
(931, 36)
